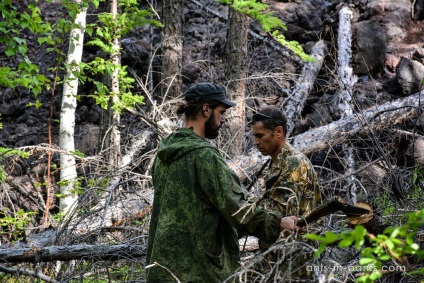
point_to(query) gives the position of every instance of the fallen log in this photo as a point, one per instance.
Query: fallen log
(66, 253)
(295, 103)
(111, 209)
(375, 118)
(28, 272)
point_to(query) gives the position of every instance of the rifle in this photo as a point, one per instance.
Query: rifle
(357, 214)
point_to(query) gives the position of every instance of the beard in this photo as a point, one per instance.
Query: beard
(211, 128)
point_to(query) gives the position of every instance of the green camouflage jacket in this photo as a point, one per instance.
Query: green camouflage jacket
(291, 184)
(198, 206)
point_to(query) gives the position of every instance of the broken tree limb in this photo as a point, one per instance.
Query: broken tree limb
(112, 206)
(294, 104)
(373, 119)
(65, 253)
(24, 271)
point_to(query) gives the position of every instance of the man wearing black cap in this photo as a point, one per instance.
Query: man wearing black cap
(199, 205)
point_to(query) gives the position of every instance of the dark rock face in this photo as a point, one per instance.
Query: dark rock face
(410, 74)
(369, 48)
(417, 12)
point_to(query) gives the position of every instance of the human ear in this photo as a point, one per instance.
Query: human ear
(279, 132)
(205, 109)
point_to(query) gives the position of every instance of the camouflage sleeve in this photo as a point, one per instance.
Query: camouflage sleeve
(223, 191)
(297, 189)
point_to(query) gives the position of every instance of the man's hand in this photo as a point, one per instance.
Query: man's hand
(288, 224)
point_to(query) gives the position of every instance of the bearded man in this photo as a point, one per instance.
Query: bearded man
(199, 205)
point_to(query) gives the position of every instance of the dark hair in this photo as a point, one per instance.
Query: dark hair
(191, 108)
(271, 117)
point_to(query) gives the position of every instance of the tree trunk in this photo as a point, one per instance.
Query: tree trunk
(346, 82)
(265, 39)
(65, 253)
(294, 104)
(373, 119)
(172, 48)
(68, 173)
(235, 73)
(115, 133)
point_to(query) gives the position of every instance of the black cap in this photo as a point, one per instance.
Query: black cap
(204, 92)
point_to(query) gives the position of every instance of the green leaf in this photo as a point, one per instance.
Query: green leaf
(390, 244)
(375, 275)
(384, 257)
(366, 260)
(346, 242)
(77, 153)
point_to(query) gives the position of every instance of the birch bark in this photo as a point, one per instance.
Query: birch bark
(68, 173)
(346, 81)
(115, 133)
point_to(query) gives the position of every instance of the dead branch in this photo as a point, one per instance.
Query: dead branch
(24, 271)
(294, 104)
(375, 118)
(66, 253)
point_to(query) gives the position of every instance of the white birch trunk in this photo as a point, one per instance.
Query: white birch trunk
(115, 134)
(346, 81)
(68, 173)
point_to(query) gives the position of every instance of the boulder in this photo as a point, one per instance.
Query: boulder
(369, 46)
(410, 74)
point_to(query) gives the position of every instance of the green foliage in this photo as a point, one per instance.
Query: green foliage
(106, 31)
(27, 74)
(13, 21)
(271, 24)
(392, 244)
(13, 224)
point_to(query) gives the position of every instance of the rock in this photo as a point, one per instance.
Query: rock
(94, 114)
(7, 109)
(391, 62)
(21, 129)
(304, 19)
(320, 116)
(369, 48)
(417, 10)
(409, 74)
(418, 55)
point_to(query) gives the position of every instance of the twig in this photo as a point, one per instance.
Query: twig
(163, 267)
(28, 272)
